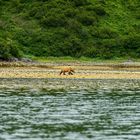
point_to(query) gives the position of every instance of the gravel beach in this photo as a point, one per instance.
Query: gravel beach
(82, 70)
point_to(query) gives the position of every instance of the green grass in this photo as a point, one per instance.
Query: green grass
(81, 59)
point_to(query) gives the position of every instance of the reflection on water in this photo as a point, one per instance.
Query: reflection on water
(99, 114)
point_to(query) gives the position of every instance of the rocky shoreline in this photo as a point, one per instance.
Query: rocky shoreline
(83, 70)
(24, 85)
(34, 76)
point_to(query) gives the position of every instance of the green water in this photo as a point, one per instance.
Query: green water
(83, 114)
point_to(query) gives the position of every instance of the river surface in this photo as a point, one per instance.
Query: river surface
(84, 114)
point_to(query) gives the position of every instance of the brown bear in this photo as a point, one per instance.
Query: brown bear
(67, 70)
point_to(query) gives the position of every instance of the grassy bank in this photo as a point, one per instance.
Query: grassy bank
(67, 61)
(83, 59)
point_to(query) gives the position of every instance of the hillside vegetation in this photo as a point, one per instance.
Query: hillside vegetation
(91, 28)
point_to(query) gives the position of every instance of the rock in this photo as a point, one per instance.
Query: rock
(13, 59)
(26, 60)
(129, 61)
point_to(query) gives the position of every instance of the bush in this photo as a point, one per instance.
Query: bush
(72, 47)
(99, 9)
(15, 51)
(70, 12)
(91, 51)
(8, 50)
(107, 48)
(86, 19)
(1, 2)
(39, 12)
(33, 11)
(131, 43)
(79, 2)
(56, 20)
(104, 33)
(4, 50)
(74, 26)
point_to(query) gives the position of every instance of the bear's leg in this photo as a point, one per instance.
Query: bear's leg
(61, 72)
(70, 73)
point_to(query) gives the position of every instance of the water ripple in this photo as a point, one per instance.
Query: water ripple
(108, 114)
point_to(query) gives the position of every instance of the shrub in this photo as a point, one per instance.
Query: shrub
(107, 48)
(131, 43)
(91, 51)
(99, 9)
(33, 11)
(86, 19)
(14, 50)
(74, 25)
(72, 47)
(104, 33)
(4, 50)
(79, 2)
(70, 12)
(54, 20)
(8, 50)
(1, 2)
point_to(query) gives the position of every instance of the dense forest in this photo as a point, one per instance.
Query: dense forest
(92, 28)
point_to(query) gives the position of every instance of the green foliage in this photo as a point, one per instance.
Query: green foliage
(79, 2)
(104, 33)
(87, 19)
(8, 50)
(54, 20)
(131, 43)
(76, 28)
(4, 50)
(99, 9)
